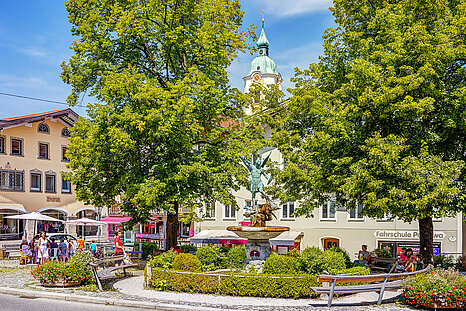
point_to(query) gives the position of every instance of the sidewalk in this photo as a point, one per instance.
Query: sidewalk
(131, 293)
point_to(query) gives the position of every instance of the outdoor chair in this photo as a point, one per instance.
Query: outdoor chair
(25, 256)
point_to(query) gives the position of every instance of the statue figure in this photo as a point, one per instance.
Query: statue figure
(263, 213)
(256, 170)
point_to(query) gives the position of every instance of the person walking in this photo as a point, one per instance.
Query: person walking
(93, 248)
(81, 244)
(71, 248)
(119, 246)
(43, 248)
(63, 251)
(53, 255)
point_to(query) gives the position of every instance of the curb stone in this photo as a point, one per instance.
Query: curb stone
(105, 301)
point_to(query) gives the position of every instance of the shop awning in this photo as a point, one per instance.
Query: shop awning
(115, 220)
(217, 237)
(287, 238)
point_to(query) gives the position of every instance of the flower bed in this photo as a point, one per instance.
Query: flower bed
(74, 272)
(437, 289)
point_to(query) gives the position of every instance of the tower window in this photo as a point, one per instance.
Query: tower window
(258, 67)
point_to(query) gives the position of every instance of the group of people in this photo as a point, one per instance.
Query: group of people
(41, 249)
(408, 262)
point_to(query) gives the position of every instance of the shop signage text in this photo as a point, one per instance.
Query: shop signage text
(53, 199)
(386, 234)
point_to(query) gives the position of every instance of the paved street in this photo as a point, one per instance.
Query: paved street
(18, 303)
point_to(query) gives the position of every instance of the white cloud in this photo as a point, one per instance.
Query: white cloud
(287, 8)
(33, 51)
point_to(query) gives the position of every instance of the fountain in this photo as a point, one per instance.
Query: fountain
(258, 234)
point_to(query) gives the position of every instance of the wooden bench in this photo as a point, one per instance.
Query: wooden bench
(11, 251)
(389, 261)
(106, 272)
(378, 283)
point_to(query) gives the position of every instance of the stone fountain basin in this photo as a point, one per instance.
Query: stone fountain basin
(258, 233)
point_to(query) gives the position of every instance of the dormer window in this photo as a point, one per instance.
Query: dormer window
(65, 132)
(43, 128)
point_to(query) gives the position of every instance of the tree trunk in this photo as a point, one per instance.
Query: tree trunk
(172, 228)
(426, 237)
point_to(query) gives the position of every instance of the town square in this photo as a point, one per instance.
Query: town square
(233, 155)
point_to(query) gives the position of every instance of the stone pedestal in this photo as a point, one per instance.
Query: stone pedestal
(257, 250)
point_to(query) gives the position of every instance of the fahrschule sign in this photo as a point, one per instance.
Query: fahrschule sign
(386, 234)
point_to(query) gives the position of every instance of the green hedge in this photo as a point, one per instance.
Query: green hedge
(235, 284)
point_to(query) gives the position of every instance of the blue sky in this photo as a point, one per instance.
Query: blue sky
(35, 39)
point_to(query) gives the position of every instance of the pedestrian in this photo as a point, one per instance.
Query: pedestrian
(93, 248)
(33, 247)
(81, 244)
(53, 255)
(71, 248)
(43, 248)
(63, 251)
(119, 246)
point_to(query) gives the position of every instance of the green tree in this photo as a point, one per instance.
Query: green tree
(380, 119)
(162, 134)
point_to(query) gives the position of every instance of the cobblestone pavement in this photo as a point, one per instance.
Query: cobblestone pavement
(12, 276)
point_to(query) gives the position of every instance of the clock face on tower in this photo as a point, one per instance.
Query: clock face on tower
(256, 77)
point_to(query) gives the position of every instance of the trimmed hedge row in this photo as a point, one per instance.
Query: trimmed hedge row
(253, 285)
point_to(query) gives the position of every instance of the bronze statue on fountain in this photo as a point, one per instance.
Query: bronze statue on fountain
(258, 234)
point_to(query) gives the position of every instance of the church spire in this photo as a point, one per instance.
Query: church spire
(263, 43)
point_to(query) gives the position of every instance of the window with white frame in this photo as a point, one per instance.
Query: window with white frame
(230, 212)
(36, 181)
(355, 213)
(328, 210)
(288, 210)
(65, 186)
(209, 212)
(44, 152)
(2, 144)
(49, 182)
(16, 146)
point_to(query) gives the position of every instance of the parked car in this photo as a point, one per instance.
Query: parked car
(64, 236)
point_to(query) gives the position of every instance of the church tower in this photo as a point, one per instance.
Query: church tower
(263, 69)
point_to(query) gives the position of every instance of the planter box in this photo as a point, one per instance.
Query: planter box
(60, 282)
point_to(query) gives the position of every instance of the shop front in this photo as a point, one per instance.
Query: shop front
(397, 241)
(52, 227)
(87, 230)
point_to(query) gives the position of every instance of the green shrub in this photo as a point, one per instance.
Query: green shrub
(445, 261)
(236, 257)
(224, 249)
(280, 264)
(235, 284)
(348, 261)
(187, 262)
(208, 257)
(188, 248)
(147, 249)
(314, 262)
(437, 288)
(380, 252)
(222, 262)
(359, 270)
(164, 260)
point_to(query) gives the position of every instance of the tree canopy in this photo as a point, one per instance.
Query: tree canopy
(163, 132)
(380, 120)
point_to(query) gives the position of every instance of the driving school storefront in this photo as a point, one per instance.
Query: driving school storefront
(396, 241)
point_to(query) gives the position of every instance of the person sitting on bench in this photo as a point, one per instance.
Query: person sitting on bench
(364, 256)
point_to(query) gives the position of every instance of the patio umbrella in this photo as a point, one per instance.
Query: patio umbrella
(34, 216)
(85, 222)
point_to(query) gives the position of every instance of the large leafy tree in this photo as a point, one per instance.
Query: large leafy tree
(161, 135)
(381, 118)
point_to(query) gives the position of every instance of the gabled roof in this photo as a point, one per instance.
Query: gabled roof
(66, 115)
